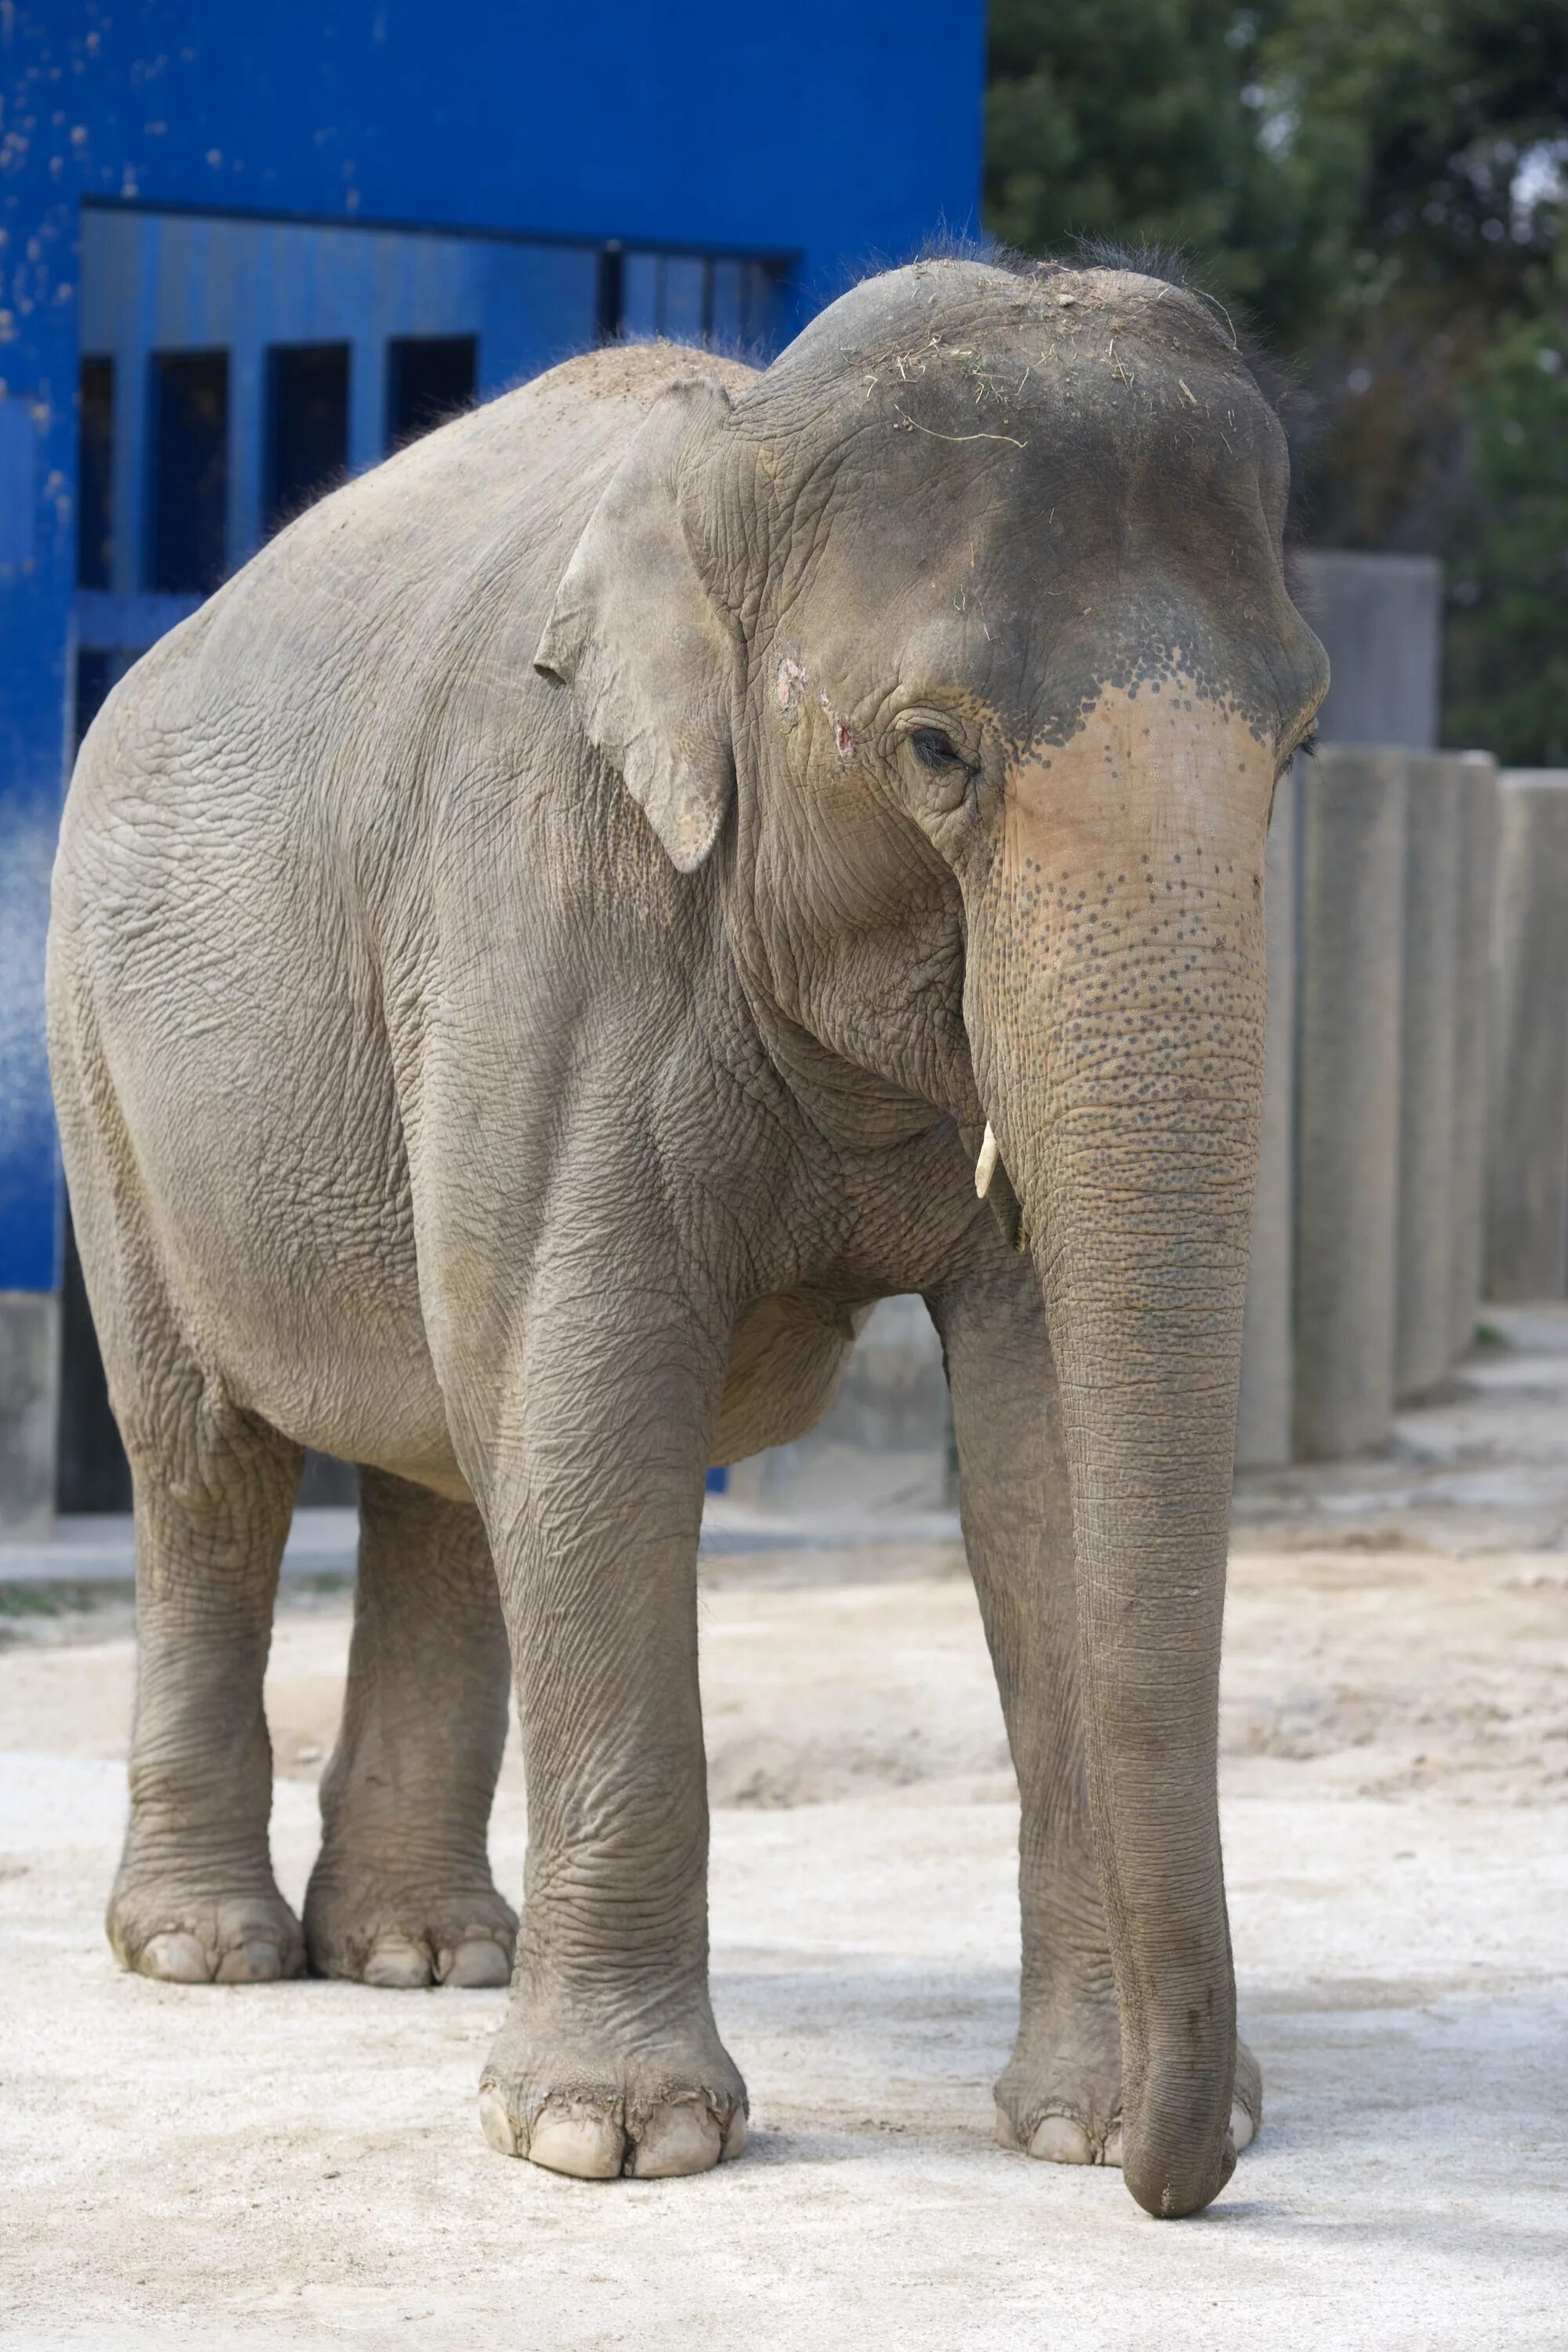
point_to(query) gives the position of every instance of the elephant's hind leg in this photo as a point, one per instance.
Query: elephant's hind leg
(402, 1893)
(194, 1898)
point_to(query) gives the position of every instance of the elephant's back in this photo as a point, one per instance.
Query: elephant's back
(245, 862)
(334, 632)
(312, 713)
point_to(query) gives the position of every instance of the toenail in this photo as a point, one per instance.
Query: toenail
(1112, 2154)
(1006, 2130)
(1060, 2140)
(677, 2140)
(1243, 2130)
(480, 1960)
(178, 1957)
(589, 2147)
(398, 1964)
(735, 2138)
(495, 2121)
(254, 1963)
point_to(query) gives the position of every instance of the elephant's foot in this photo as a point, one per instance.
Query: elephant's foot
(1061, 2098)
(580, 2105)
(185, 1930)
(387, 1926)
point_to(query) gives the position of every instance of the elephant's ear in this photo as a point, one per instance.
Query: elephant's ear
(636, 634)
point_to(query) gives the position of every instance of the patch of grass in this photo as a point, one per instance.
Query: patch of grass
(1488, 1336)
(59, 1600)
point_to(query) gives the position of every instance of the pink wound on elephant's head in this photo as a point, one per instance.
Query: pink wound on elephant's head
(787, 684)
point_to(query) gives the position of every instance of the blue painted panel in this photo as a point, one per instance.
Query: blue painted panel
(693, 125)
(168, 282)
(29, 1241)
(106, 622)
(18, 490)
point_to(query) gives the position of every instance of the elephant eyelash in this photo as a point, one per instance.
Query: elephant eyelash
(1308, 746)
(932, 748)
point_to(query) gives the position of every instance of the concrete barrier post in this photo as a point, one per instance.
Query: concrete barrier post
(1347, 1162)
(1472, 1029)
(1527, 1176)
(1428, 1010)
(1263, 1436)
(1380, 618)
(30, 1384)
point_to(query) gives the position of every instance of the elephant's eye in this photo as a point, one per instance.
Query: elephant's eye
(932, 748)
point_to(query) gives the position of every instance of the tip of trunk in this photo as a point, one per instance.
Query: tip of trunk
(1180, 2164)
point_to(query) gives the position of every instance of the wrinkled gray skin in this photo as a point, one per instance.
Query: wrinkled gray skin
(532, 958)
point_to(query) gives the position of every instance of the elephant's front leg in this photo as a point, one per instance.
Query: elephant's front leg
(609, 2060)
(1060, 2097)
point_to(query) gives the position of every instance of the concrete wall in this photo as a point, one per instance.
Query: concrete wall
(1380, 619)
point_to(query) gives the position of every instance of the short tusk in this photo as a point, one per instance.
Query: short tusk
(985, 1166)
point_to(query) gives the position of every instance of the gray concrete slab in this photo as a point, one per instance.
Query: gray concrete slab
(1428, 1022)
(1472, 1039)
(1380, 619)
(29, 1392)
(1263, 1429)
(1347, 1163)
(1526, 1175)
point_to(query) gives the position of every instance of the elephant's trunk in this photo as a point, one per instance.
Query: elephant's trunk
(1116, 1004)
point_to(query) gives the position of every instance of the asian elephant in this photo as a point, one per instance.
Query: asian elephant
(578, 917)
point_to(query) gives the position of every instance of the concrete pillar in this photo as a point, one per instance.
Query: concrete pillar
(1527, 1176)
(1347, 1162)
(1427, 1015)
(1263, 1421)
(1472, 1029)
(1380, 618)
(29, 1375)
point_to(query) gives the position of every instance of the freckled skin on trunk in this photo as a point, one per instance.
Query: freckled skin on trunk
(1117, 993)
(1116, 997)
(533, 959)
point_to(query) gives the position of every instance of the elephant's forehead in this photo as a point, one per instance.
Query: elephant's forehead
(1033, 554)
(1064, 504)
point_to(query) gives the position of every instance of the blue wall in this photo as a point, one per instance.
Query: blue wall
(832, 134)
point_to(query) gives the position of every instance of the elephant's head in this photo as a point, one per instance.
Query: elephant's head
(971, 607)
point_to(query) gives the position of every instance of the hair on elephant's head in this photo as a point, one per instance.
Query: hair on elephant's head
(973, 608)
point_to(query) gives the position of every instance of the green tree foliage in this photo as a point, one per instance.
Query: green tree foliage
(1126, 119)
(1508, 637)
(1383, 185)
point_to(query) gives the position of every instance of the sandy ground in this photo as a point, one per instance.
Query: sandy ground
(300, 2166)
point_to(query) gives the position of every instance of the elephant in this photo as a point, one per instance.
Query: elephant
(682, 851)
